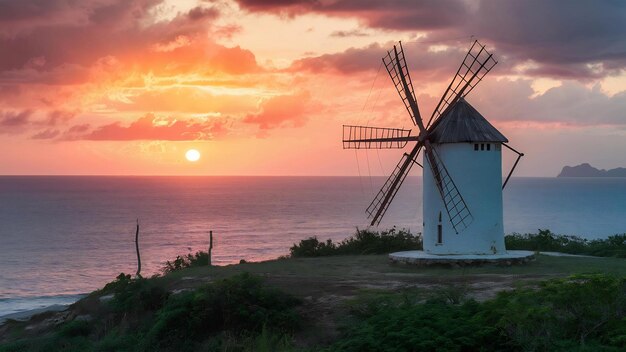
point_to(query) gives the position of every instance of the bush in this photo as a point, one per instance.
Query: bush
(585, 310)
(545, 240)
(578, 313)
(362, 242)
(240, 304)
(135, 295)
(235, 314)
(75, 328)
(186, 261)
(312, 247)
(432, 326)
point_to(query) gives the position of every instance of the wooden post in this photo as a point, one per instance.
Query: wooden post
(210, 245)
(137, 248)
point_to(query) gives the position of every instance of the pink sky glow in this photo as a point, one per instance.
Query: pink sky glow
(116, 87)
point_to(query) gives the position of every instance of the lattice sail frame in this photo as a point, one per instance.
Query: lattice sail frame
(458, 212)
(395, 73)
(365, 137)
(476, 64)
(378, 207)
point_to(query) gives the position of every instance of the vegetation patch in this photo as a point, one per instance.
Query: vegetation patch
(362, 242)
(577, 313)
(394, 240)
(397, 308)
(142, 316)
(199, 258)
(545, 240)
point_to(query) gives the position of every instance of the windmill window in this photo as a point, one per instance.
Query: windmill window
(475, 146)
(482, 146)
(488, 146)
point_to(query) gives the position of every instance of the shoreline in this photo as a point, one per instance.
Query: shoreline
(27, 314)
(23, 308)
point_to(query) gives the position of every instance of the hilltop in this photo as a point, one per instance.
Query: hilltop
(323, 298)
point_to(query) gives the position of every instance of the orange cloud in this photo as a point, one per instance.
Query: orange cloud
(150, 127)
(281, 111)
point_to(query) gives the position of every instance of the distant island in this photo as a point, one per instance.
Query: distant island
(586, 170)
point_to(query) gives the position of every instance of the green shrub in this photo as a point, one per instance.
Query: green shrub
(116, 342)
(434, 326)
(186, 261)
(312, 247)
(583, 313)
(135, 295)
(75, 328)
(545, 240)
(362, 242)
(563, 313)
(239, 304)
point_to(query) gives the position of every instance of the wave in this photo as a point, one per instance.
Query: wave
(18, 307)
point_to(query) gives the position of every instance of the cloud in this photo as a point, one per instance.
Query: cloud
(200, 13)
(191, 99)
(284, 7)
(15, 118)
(15, 121)
(281, 111)
(59, 117)
(572, 103)
(425, 65)
(395, 14)
(20, 121)
(150, 127)
(46, 134)
(59, 41)
(347, 34)
(555, 38)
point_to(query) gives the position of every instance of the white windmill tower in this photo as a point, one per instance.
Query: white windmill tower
(462, 156)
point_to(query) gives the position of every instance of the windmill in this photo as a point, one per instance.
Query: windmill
(462, 190)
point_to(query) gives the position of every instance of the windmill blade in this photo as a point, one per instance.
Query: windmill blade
(476, 64)
(365, 137)
(458, 212)
(378, 207)
(396, 66)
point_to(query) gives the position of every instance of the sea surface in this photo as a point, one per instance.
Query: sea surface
(64, 236)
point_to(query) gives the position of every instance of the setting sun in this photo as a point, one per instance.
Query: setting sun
(192, 155)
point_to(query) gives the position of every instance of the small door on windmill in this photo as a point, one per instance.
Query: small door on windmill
(439, 231)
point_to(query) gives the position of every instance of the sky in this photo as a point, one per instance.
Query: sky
(263, 87)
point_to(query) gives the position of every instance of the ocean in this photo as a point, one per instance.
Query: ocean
(63, 236)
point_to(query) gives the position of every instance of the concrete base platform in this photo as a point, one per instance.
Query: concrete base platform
(421, 258)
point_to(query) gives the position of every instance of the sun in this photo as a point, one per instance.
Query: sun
(192, 155)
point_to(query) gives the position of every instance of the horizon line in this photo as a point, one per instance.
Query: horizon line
(208, 175)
